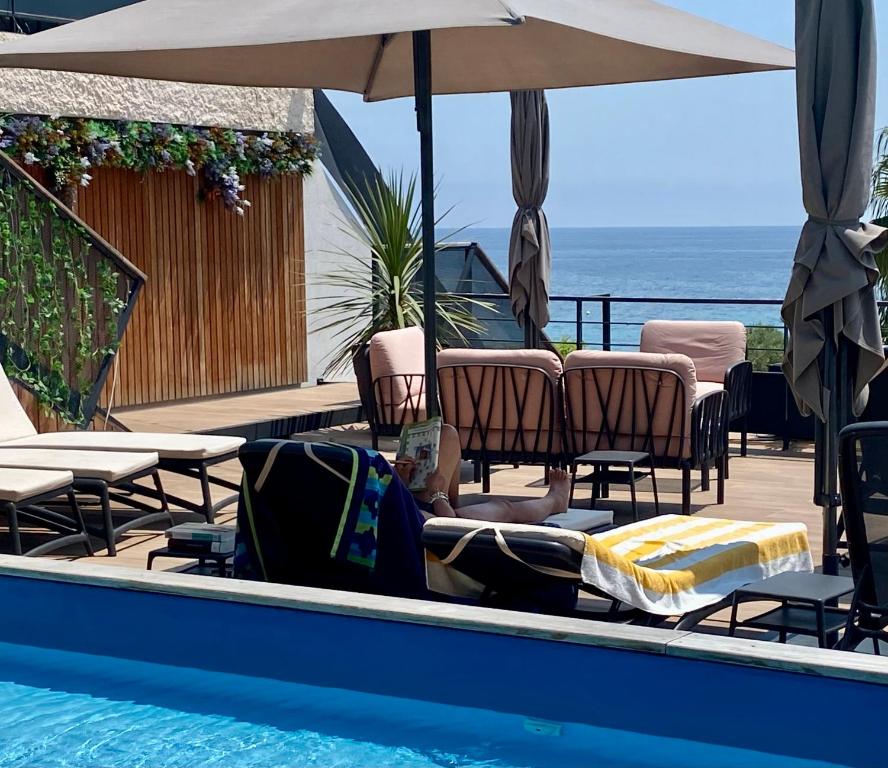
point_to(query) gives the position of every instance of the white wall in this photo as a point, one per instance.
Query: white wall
(325, 211)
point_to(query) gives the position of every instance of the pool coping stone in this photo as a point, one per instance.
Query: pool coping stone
(679, 644)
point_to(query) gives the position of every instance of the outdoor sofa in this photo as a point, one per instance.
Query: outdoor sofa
(188, 455)
(651, 403)
(505, 405)
(391, 381)
(718, 349)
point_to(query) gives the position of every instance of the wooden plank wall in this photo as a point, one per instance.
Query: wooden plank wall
(224, 307)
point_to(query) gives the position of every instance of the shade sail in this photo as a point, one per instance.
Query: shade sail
(834, 270)
(365, 45)
(530, 250)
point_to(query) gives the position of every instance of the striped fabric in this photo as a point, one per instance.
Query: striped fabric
(675, 564)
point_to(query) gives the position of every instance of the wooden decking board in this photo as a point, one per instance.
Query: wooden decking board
(767, 485)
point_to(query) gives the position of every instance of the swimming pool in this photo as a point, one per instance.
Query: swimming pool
(100, 667)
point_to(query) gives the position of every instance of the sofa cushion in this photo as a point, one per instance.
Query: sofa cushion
(629, 401)
(22, 484)
(399, 354)
(167, 446)
(713, 346)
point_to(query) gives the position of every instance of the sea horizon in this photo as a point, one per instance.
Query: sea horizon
(700, 262)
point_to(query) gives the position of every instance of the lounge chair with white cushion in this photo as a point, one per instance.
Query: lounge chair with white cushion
(188, 455)
(666, 566)
(107, 475)
(23, 494)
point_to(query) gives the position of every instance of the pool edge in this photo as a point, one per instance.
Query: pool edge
(688, 645)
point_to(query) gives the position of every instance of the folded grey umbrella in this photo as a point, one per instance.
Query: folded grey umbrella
(834, 269)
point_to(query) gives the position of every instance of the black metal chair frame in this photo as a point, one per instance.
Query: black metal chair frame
(197, 470)
(708, 423)
(387, 418)
(533, 446)
(72, 529)
(868, 615)
(124, 491)
(738, 385)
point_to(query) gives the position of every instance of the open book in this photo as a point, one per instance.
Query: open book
(420, 442)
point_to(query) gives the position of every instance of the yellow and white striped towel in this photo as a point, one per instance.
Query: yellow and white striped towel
(672, 565)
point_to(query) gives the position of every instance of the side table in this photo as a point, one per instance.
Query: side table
(220, 559)
(805, 608)
(602, 474)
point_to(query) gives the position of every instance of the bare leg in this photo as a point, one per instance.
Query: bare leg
(531, 511)
(449, 464)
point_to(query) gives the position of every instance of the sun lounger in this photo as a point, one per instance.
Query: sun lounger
(110, 476)
(23, 492)
(188, 455)
(668, 566)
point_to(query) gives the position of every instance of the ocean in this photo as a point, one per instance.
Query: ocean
(668, 262)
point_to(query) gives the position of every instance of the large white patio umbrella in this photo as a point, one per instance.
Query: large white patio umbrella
(385, 49)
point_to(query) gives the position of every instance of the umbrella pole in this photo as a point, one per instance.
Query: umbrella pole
(422, 74)
(826, 446)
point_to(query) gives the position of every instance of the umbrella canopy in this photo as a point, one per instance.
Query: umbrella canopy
(835, 343)
(530, 251)
(834, 269)
(366, 46)
(389, 48)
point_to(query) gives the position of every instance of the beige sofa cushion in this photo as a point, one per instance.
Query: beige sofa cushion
(166, 446)
(615, 400)
(14, 422)
(21, 484)
(399, 353)
(713, 346)
(502, 401)
(85, 465)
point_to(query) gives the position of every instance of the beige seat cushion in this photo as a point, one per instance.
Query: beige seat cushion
(401, 354)
(22, 484)
(502, 401)
(616, 399)
(14, 422)
(707, 387)
(166, 446)
(85, 465)
(714, 346)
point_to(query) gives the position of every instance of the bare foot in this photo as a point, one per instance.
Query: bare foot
(559, 490)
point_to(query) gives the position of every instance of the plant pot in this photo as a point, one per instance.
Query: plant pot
(364, 378)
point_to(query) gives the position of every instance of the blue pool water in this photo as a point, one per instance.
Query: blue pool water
(70, 710)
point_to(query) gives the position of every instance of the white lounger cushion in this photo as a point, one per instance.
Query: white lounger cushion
(22, 484)
(167, 446)
(85, 465)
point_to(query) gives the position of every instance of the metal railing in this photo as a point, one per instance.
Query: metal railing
(602, 321)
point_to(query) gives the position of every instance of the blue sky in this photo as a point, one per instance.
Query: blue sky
(713, 151)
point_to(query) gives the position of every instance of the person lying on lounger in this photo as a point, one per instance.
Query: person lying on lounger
(441, 495)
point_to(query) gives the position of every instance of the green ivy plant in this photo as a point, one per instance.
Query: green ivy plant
(60, 304)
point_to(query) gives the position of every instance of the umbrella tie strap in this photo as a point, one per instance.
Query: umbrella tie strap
(845, 223)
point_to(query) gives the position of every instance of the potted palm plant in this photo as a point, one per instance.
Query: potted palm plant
(389, 296)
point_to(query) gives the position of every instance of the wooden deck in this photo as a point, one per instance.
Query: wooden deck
(767, 485)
